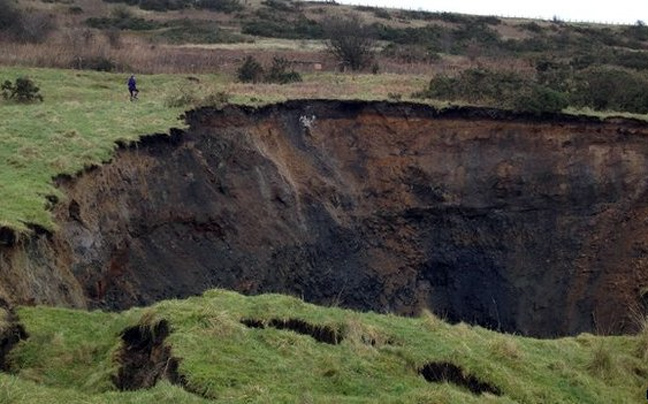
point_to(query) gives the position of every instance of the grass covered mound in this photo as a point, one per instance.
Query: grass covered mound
(225, 347)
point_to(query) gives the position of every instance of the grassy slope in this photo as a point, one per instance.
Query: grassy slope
(85, 112)
(69, 357)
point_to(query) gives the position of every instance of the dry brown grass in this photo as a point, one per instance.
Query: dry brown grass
(431, 320)
(362, 335)
(67, 47)
(328, 85)
(134, 55)
(505, 348)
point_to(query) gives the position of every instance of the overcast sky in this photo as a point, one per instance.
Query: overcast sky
(618, 11)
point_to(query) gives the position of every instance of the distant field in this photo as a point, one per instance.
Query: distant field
(71, 356)
(85, 112)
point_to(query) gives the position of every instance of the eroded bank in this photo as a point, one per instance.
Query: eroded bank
(517, 222)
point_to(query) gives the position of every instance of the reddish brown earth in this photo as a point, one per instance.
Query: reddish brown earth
(522, 223)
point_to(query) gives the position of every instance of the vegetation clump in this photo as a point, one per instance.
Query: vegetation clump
(282, 5)
(189, 31)
(496, 88)
(24, 91)
(189, 95)
(610, 88)
(224, 6)
(281, 72)
(98, 63)
(251, 71)
(123, 19)
(289, 25)
(554, 88)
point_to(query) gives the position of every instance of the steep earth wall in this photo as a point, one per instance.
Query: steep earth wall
(521, 223)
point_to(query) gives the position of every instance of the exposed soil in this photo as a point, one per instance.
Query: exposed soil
(439, 372)
(521, 223)
(11, 332)
(319, 333)
(145, 358)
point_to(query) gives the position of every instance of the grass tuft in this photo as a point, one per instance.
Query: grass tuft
(431, 320)
(601, 362)
(505, 349)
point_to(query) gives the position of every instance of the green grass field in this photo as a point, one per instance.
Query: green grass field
(70, 356)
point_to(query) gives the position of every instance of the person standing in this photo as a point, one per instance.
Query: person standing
(132, 87)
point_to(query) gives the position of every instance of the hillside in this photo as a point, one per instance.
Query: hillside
(223, 347)
(488, 170)
(151, 36)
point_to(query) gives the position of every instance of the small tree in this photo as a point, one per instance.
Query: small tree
(23, 91)
(350, 41)
(250, 71)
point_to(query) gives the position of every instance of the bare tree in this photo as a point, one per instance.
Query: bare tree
(350, 41)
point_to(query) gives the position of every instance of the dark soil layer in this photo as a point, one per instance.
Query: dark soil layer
(440, 372)
(522, 223)
(145, 358)
(319, 333)
(11, 332)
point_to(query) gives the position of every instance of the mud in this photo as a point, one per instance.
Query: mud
(520, 223)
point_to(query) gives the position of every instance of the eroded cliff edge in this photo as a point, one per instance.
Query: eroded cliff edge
(517, 222)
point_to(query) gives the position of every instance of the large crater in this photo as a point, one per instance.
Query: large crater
(526, 224)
